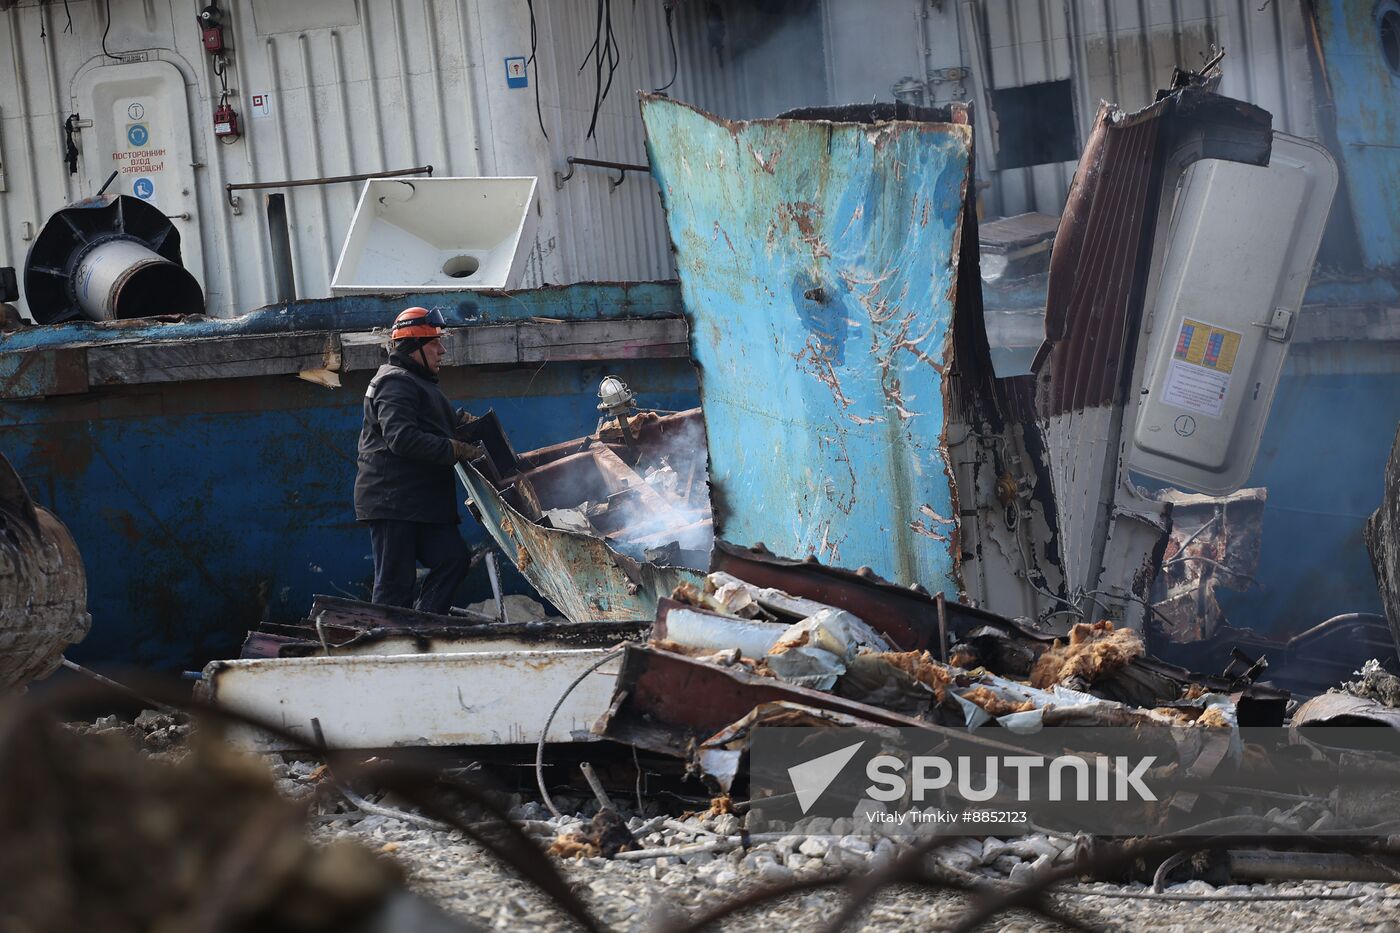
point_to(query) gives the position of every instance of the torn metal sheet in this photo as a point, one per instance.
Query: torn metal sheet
(908, 616)
(43, 587)
(666, 702)
(472, 698)
(586, 577)
(819, 268)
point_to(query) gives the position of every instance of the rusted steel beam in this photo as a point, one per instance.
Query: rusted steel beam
(905, 615)
(667, 702)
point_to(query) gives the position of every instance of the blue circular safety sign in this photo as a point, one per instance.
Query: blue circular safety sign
(137, 134)
(143, 188)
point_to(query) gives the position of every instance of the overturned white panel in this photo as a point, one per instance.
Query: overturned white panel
(444, 234)
(1238, 258)
(476, 698)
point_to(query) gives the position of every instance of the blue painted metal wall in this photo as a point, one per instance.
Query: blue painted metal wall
(1365, 95)
(817, 264)
(203, 508)
(1323, 461)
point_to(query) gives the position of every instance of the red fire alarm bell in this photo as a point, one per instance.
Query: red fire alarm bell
(225, 122)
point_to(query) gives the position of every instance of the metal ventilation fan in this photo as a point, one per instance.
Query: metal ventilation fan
(108, 259)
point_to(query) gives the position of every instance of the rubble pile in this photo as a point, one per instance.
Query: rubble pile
(1374, 683)
(729, 623)
(682, 877)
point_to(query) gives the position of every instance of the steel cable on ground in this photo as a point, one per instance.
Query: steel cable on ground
(539, 749)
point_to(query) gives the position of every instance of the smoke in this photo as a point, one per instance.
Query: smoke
(661, 513)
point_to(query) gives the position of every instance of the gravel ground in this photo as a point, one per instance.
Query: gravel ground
(630, 894)
(637, 895)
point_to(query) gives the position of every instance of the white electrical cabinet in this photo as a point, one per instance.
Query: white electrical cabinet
(1240, 250)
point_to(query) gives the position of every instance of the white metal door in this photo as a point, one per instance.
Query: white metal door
(137, 123)
(1241, 248)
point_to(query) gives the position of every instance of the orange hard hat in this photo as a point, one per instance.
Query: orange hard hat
(418, 322)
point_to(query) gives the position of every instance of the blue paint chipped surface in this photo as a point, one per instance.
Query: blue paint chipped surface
(817, 264)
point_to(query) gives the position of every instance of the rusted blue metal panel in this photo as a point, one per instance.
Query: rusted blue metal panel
(1364, 92)
(580, 574)
(818, 263)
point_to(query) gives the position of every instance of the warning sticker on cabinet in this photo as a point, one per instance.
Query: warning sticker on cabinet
(1198, 378)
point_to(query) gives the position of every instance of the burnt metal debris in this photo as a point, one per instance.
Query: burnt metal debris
(43, 589)
(604, 525)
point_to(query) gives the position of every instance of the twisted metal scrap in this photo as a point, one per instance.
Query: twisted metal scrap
(510, 845)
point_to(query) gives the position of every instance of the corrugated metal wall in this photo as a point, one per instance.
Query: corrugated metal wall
(369, 85)
(360, 86)
(1123, 51)
(385, 87)
(607, 232)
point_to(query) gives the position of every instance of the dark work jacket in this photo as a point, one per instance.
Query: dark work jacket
(405, 460)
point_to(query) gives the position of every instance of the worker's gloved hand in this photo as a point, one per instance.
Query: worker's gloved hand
(465, 452)
(464, 418)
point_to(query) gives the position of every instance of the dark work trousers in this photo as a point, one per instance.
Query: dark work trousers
(400, 546)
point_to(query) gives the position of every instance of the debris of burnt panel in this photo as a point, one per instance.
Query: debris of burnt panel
(1383, 541)
(602, 525)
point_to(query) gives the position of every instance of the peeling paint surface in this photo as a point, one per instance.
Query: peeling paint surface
(818, 263)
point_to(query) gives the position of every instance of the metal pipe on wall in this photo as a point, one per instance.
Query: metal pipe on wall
(121, 279)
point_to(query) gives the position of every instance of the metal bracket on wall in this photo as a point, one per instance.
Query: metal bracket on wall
(622, 168)
(233, 200)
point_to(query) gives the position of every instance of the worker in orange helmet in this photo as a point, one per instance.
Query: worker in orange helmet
(405, 489)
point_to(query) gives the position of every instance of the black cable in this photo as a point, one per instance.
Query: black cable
(69, 13)
(534, 41)
(107, 30)
(670, 8)
(603, 52)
